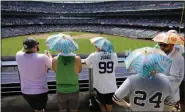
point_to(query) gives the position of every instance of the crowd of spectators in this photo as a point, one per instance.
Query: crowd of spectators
(51, 7)
(159, 22)
(14, 26)
(129, 32)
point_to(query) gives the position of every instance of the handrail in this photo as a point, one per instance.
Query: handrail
(85, 84)
(14, 63)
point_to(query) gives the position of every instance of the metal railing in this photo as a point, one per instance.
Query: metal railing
(10, 80)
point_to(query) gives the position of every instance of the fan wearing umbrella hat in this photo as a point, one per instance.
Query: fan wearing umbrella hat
(147, 90)
(179, 48)
(66, 65)
(103, 61)
(175, 73)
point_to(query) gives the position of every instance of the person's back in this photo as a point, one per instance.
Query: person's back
(146, 94)
(104, 79)
(103, 61)
(104, 65)
(66, 77)
(67, 68)
(175, 73)
(33, 68)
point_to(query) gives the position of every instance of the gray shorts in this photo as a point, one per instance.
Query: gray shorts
(68, 100)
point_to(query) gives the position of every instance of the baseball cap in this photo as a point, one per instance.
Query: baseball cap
(30, 42)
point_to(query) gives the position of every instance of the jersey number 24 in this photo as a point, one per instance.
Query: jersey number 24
(142, 97)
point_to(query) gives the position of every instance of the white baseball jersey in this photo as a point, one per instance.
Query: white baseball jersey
(103, 65)
(146, 94)
(175, 73)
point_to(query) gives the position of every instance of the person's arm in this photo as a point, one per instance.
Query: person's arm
(54, 64)
(116, 59)
(122, 103)
(170, 98)
(17, 55)
(22, 49)
(48, 60)
(78, 63)
(176, 73)
(89, 60)
(121, 93)
(47, 53)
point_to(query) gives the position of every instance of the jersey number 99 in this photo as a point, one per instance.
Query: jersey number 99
(106, 67)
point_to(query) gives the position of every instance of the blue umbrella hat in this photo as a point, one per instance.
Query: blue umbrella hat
(147, 62)
(103, 44)
(62, 42)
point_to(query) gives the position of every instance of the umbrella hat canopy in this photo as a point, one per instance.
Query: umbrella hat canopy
(62, 42)
(169, 38)
(150, 64)
(96, 39)
(103, 44)
(141, 51)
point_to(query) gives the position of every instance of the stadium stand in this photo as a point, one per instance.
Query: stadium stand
(112, 21)
(27, 17)
(137, 19)
(48, 7)
(23, 30)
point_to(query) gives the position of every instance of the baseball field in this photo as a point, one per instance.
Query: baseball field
(13, 44)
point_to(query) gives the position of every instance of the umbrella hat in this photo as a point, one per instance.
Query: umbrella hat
(146, 65)
(103, 44)
(62, 42)
(141, 51)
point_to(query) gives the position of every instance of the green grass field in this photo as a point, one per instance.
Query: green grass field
(11, 45)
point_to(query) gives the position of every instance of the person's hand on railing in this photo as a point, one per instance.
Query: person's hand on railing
(47, 53)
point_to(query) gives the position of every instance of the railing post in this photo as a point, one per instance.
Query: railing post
(90, 81)
(18, 75)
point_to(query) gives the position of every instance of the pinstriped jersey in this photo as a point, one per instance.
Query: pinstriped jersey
(146, 94)
(103, 65)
